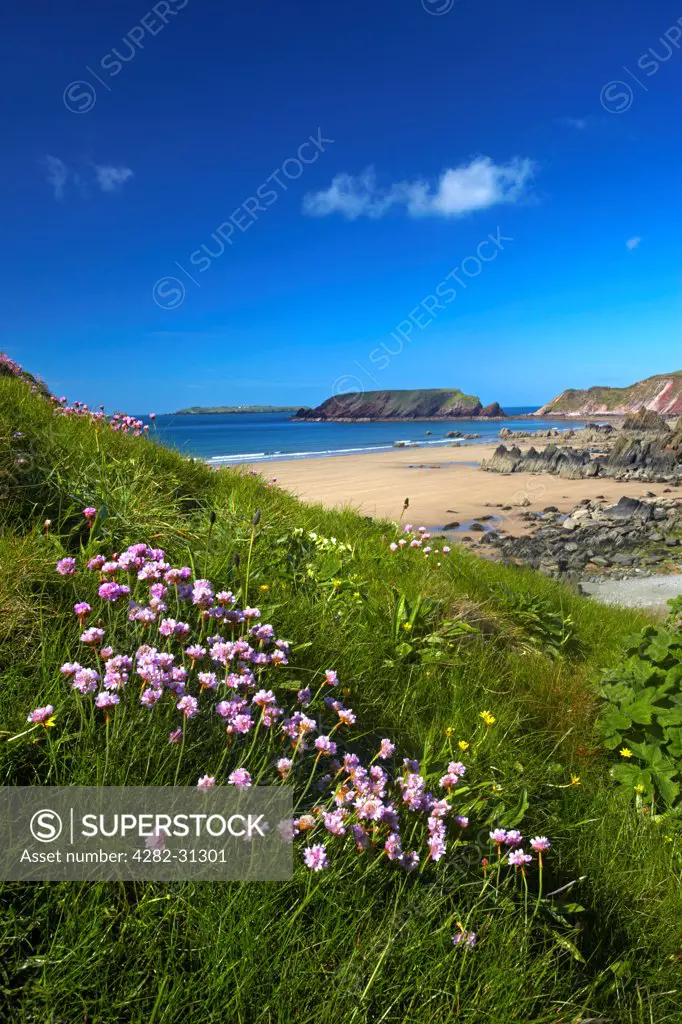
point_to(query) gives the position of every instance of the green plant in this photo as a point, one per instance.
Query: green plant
(542, 625)
(418, 632)
(674, 619)
(642, 716)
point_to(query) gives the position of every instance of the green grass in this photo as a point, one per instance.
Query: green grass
(360, 942)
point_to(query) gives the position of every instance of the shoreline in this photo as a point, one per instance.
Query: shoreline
(443, 489)
(407, 444)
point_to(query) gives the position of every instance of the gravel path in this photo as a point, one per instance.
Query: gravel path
(647, 592)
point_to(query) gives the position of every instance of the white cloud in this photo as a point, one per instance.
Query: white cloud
(460, 190)
(579, 123)
(111, 178)
(632, 243)
(57, 175)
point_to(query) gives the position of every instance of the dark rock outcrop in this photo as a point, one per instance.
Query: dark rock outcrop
(630, 536)
(649, 456)
(646, 420)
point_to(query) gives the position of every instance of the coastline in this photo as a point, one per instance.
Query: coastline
(447, 488)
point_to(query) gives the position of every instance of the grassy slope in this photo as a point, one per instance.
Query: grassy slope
(350, 944)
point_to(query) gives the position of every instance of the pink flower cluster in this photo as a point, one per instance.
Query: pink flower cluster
(418, 539)
(513, 839)
(120, 422)
(215, 665)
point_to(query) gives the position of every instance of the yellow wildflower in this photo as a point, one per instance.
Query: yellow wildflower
(264, 587)
(487, 717)
(449, 731)
(463, 745)
(625, 752)
(575, 780)
(639, 788)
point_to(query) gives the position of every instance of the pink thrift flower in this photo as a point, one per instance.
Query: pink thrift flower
(66, 566)
(361, 838)
(106, 699)
(386, 749)
(90, 513)
(81, 609)
(196, 652)
(333, 822)
(41, 715)
(175, 736)
(239, 777)
(92, 636)
(156, 841)
(206, 782)
(393, 847)
(315, 857)
(284, 767)
(331, 678)
(518, 858)
(150, 696)
(436, 847)
(112, 591)
(498, 836)
(189, 706)
(325, 745)
(540, 844)
(85, 680)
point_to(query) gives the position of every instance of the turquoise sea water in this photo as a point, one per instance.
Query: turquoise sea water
(265, 437)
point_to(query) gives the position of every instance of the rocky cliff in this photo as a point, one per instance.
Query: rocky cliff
(662, 394)
(421, 404)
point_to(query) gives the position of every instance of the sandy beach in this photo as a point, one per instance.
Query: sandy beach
(442, 487)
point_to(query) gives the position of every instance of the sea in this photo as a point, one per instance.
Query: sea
(228, 439)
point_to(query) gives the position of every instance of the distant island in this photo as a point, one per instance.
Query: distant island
(214, 410)
(661, 394)
(420, 404)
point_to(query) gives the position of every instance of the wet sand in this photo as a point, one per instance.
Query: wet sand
(441, 487)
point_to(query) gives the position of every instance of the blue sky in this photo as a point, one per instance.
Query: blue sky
(132, 135)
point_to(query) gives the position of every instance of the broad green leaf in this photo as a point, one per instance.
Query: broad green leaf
(670, 716)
